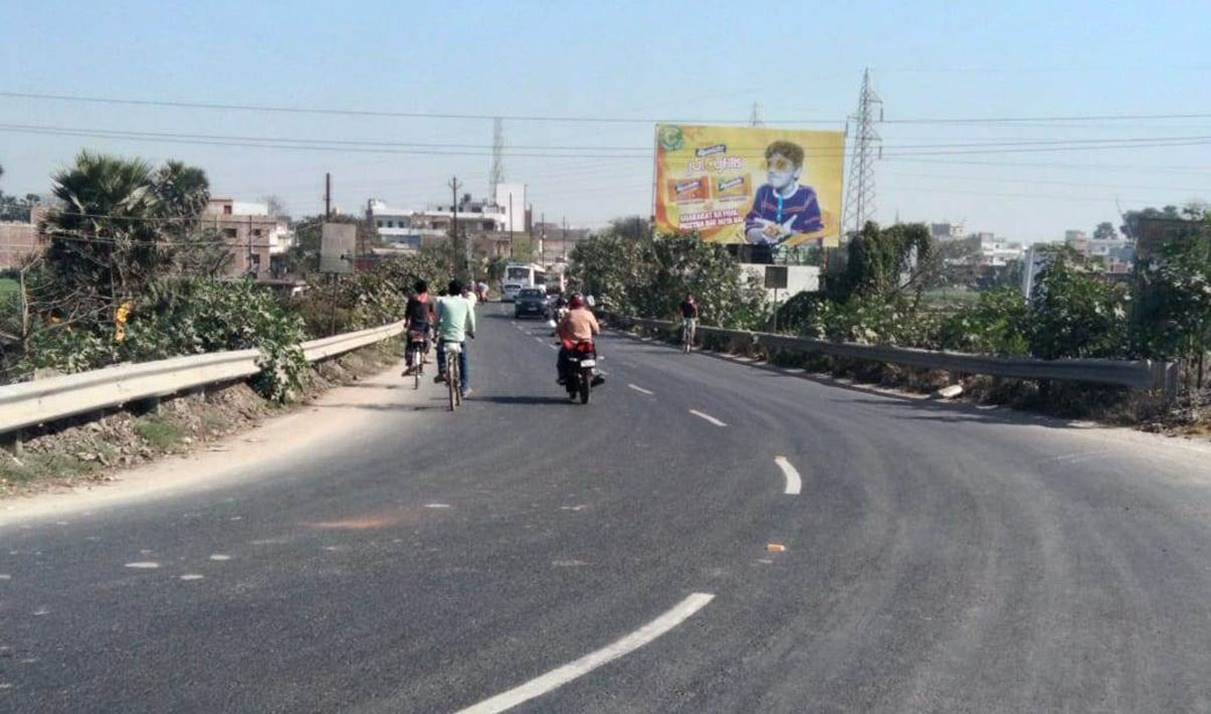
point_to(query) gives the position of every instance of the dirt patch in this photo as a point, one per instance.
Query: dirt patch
(89, 450)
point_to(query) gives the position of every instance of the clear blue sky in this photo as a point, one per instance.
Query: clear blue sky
(800, 61)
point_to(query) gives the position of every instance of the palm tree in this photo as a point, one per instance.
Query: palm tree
(105, 242)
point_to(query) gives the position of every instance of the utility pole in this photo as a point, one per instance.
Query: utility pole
(860, 191)
(454, 236)
(510, 224)
(327, 196)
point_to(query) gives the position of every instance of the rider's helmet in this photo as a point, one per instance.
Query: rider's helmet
(576, 301)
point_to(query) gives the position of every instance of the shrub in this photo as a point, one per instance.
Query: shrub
(998, 324)
(1075, 314)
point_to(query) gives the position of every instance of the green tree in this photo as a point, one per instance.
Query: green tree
(1074, 313)
(650, 278)
(1105, 231)
(882, 262)
(1172, 318)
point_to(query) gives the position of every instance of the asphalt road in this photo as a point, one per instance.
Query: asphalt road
(937, 558)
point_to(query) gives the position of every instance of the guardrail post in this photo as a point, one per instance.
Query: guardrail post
(1172, 381)
(13, 442)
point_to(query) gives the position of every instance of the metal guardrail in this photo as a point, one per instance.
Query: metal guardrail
(28, 404)
(1135, 374)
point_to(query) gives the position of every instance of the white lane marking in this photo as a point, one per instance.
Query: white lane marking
(554, 347)
(192, 576)
(437, 505)
(641, 390)
(220, 556)
(794, 484)
(708, 417)
(144, 564)
(5, 576)
(681, 612)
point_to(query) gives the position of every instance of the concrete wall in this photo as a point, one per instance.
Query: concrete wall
(18, 241)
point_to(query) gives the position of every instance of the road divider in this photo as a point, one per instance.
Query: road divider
(794, 484)
(556, 678)
(707, 417)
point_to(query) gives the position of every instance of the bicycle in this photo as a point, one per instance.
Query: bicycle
(688, 328)
(416, 357)
(453, 376)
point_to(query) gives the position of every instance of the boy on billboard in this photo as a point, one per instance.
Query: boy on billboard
(782, 207)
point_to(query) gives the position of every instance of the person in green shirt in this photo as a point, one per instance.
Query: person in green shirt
(455, 322)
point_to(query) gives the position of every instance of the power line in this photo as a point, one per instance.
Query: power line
(905, 150)
(394, 114)
(183, 104)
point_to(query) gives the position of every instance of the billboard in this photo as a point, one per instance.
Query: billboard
(337, 245)
(749, 184)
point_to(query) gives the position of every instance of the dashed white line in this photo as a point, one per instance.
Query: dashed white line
(708, 417)
(554, 347)
(220, 557)
(641, 390)
(794, 484)
(192, 576)
(144, 564)
(561, 676)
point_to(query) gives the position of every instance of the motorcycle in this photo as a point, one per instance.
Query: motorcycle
(581, 375)
(557, 318)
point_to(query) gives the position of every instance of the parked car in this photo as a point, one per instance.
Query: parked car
(531, 302)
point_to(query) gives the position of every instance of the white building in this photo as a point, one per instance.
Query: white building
(511, 200)
(394, 225)
(998, 251)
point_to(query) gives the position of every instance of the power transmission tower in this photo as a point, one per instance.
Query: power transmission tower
(867, 147)
(497, 176)
(755, 119)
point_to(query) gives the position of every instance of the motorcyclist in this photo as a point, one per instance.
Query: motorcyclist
(419, 317)
(579, 325)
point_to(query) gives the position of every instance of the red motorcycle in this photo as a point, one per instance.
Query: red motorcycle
(581, 374)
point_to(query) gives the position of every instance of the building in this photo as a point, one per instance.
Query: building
(511, 200)
(947, 231)
(393, 225)
(258, 241)
(18, 243)
(1116, 254)
(998, 252)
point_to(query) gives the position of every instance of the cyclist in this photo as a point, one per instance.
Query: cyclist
(419, 317)
(455, 322)
(579, 325)
(689, 318)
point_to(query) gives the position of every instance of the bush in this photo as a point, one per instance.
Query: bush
(197, 316)
(998, 324)
(1075, 314)
(373, 298)
(651, 277)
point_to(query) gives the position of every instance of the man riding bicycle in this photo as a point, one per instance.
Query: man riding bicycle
(419, 319)
(455, 322)
(689, 319)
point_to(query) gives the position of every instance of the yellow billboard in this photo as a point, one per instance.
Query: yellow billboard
(750, 185)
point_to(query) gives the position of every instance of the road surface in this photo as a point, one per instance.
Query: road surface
(704, 536)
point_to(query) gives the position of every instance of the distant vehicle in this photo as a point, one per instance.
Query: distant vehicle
(519, 276)
(531, 302)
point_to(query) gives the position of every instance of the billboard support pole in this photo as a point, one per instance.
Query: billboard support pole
(655, 158)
